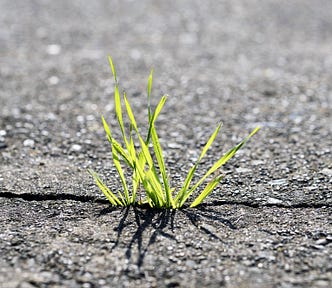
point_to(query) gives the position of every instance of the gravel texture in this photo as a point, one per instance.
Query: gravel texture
(247, 63)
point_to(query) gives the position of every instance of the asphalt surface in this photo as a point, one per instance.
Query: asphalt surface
(247, 63)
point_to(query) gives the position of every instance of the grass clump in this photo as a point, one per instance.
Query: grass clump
(146, 164)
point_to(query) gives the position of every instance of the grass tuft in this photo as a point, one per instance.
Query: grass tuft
(146, 163)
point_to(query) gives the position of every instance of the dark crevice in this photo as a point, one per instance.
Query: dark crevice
(46, 197)
(257, 205)
(86, 198)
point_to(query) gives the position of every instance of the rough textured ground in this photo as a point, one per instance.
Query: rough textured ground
(247, 63)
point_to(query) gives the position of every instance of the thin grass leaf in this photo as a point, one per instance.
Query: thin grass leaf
(118, 110)
(131, 146)
(130, 112)
(209, 142)
(149, 93)
(157, 188)
(113, 69)
(227, 156)
(121, 174)
(179, 197)
(151, 174)
(162, 168)
(158, 108)
(145, 149)
(135, 177)
(107, 129)
(206, 192)
(146, 157)
(124, 154)
(155, 116)
(107, 192)
(154, 197)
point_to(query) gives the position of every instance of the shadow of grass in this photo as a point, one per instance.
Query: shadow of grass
(151, 223)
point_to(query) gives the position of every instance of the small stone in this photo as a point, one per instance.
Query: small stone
(322, 241)
(190, 263)
(243, 170)
(278, 182)
(3, 133)
(53, 49)
(135, 54)
(274, 201)
(29, 143)
(326, 171)
(173, 145)
(318, 247)
(76, 147)
(53, 80)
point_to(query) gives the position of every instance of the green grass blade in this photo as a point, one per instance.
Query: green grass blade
(143, 158)
(227, 156)
(107, 192)
(206, 192)
(161, 163)
(158, 108)
(209, 142)
(180, 196)
(152, 174)
(135, 177)
(112, 67)
(131, 147)
(121, 174)
(107, 129)
(152, 178)
(149, 93)
(155, 116)
(124, 154)
(118, 110)
(130, 112)
(230, 153)
(152, 193)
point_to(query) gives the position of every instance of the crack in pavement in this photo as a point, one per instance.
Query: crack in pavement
(86, 198)
(46, 197)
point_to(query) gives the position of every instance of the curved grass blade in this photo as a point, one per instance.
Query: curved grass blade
(113, 69)
(126, 156)
(228, 155)
(162, 168)
(154, 197)
(210, 141)
(207, 190)
(130, 112)
(121, 174)
(153, 178)
(149, 93)
(107, 129)
(107, 192)
(118, 110)
(179, 197)
(155, 116)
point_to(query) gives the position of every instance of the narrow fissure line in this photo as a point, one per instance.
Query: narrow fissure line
(46, 197)
(257, 205)
(86, 198)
